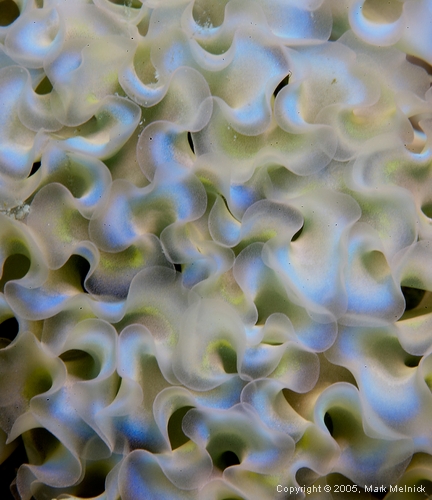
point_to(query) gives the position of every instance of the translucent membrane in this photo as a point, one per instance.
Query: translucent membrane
(215, 249)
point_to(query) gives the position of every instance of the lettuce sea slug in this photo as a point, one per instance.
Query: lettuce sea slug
(215, 249)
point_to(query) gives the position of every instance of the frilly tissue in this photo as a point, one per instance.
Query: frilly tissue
(215, 249)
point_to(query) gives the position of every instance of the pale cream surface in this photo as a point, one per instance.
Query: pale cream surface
(222, 285)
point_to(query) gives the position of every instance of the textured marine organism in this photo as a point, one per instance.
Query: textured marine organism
(215, 248)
